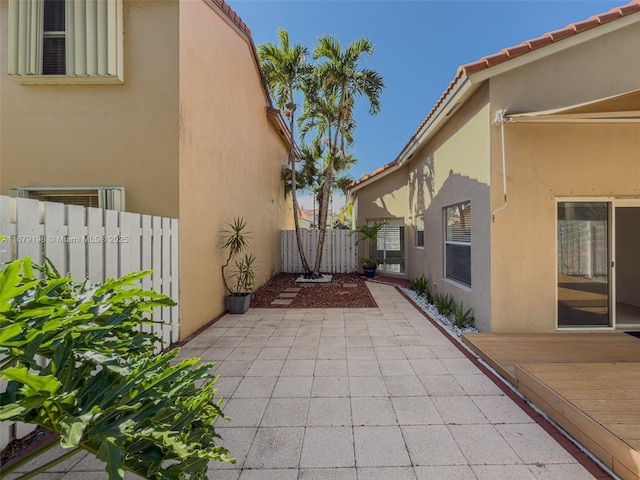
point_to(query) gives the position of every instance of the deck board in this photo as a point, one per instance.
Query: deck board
(589, 383)
(504, 350)
(610, 426)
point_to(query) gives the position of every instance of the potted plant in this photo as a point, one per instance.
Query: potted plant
(369, 266)
(369, 235)
(243, 278)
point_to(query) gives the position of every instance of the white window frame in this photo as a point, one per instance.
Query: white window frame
(447, 242)
(94, 42)
(109, 198)
(419, 228)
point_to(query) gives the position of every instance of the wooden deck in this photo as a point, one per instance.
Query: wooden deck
(504, 350)
(589, 383)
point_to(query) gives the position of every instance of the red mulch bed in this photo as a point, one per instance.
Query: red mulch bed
(316, 295)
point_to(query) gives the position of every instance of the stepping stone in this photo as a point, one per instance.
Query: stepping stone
(349, 285)
(287, 295)
(289, 290)
(282, 301)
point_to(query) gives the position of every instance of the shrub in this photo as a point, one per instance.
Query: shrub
(99, 383)
(422, 286)
(462, 319)
(444, 304)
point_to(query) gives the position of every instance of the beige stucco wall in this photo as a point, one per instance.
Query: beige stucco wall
(452, 168)
(230, 160)
(101, 135)
(385, 198)
(545, 162)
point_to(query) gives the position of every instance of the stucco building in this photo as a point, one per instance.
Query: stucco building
(519, 194)
(156, 107)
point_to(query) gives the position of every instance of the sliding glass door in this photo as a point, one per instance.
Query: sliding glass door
(389, 248)
(584, 264)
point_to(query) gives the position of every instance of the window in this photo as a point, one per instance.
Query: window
(54, 38)
(420, 231)
(65, 41)
(457, 243)
(110, 198)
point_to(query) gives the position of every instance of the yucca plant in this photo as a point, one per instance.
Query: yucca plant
(235, 242)
(245, 276)
(419, 285)
(444, 304)
(98, 383)
(462, 318)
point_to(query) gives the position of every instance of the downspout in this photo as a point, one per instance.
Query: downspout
(500, 120)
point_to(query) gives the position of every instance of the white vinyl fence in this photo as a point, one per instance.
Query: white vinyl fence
(340, 254)
(95, 244)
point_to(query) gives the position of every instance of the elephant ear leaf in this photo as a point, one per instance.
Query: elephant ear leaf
(35, 384)
(17, 409)
(10, 286)
(112, 455)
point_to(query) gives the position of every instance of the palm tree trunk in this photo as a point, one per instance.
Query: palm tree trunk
(326, 192)
(294, 199)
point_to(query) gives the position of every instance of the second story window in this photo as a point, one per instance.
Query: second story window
(66, 41)
(54, 38)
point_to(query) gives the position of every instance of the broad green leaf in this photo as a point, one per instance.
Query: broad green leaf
(14, 410)
(112, 455)
(39, 384)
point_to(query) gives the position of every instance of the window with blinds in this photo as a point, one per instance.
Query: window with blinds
(54, 38)
(108, 198)
(420, 231)
(66, 41)
(457, 242)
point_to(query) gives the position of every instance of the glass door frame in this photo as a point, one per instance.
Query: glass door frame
(390, 221)
(611, 201)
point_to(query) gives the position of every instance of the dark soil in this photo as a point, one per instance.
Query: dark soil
(346, 290)
(17, 448)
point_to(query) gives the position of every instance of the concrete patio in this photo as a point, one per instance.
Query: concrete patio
(346, 394)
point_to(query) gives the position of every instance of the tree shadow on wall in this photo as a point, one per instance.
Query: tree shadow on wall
(421, 181)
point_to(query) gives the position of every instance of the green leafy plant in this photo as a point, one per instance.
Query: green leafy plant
(236, 242)
(369, 236)
(245, 277)
(444, 304)
(462, 318)
(98, 382)
(420, 285)
(369, 262)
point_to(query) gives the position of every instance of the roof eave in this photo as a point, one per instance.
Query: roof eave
(511, 63)
(386, 170)
(460, 93)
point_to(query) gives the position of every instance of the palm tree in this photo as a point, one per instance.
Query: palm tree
(315, 160)
(330, 95)
(285, 68)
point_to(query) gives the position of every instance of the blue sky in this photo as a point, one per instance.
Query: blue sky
(419, 46)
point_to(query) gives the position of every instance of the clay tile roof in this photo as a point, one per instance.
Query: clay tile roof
(372, 174)
(551, 37)
(539, 42)
(510, 53)
(233, 16)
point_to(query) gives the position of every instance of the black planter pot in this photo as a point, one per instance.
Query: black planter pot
(369, 272)
(238, 303)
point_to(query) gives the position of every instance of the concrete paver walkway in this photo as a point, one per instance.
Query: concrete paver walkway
(354, 394)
